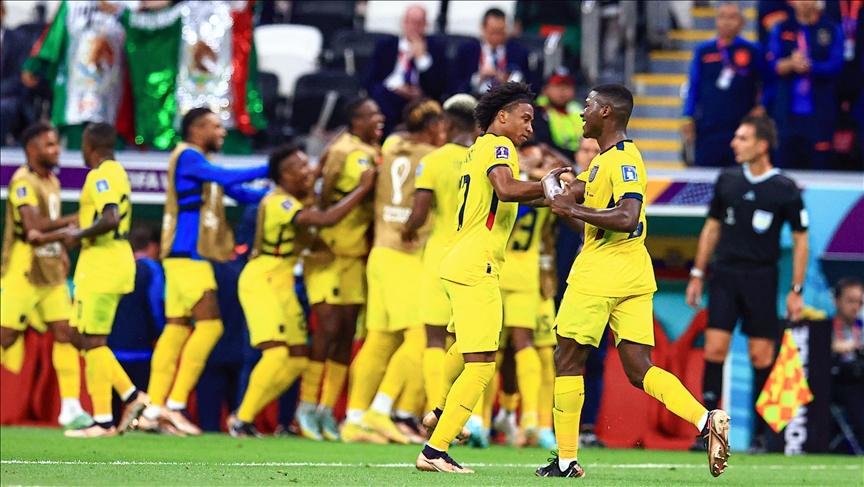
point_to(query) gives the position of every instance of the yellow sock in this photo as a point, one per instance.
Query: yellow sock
(489, 399)
(509, 401)
(464, 394)
(569, 397)
(666, 388)
(407, 359)
(119, 378)
(528, 370)
(334, 381)
(194, 358)
(262, 380)
(547, 384)
(164, 362)
(369, 366)
(311, 382)
(288, 372)
(98, 372)
(13, 357)
(454, 364)
(433, 374)
(67, 365)
(413, 345)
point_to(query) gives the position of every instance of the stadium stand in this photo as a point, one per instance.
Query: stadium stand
(386, 16)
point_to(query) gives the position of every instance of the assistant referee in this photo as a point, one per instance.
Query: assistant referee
(750, 205)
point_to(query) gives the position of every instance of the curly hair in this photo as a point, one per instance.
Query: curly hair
(501, 97)
(276, 157)
(420, 113)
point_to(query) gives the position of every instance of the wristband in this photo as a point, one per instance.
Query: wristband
(697, 273)
(797, 289)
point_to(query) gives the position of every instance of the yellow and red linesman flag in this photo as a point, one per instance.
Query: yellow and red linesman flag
(786, 389)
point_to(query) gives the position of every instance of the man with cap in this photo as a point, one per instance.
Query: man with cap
(559, 123)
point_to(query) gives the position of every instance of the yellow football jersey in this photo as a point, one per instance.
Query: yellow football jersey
(106, 264)
(439, 172)
(521, 267)
(614, 264)
(275, 231)
(483, 223)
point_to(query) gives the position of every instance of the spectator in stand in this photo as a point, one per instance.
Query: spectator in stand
(806, 53)
(405, 68)
(544, 18)
(723, 87)
(847, 347)
(559, 122)
(494, 59)
(849, 14)
(15, 46)
(771, 13)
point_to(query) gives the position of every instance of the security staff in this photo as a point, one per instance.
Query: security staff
(750, 205)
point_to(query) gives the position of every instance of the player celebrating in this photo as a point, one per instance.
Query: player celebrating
(612, 281)
(266, 287)
(336, 281)
(194, 229)
(33, 276)
(489, 192)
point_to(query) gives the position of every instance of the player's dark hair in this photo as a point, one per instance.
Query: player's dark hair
(619, 98)
(278, 155)
(35, 130)
(143, 234)
(420, 113)
(353, 106)
(190, 118)
(763, 128)
(494, 12)
(102, 136)
(501, 97)
(845, 283)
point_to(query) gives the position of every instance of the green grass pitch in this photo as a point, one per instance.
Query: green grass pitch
(35, 456)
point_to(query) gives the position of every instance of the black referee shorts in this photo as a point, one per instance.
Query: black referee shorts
(748, 294)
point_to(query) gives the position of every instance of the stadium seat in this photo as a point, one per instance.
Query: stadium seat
(452, 42)
(328, 17)
(464, 18)
(275, 108)
(351, 50)
(386, 16)
(310, 93)
(288, 51)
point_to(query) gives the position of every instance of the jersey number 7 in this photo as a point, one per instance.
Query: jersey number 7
(466, 182)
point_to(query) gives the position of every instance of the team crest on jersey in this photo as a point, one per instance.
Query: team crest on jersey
(21, 191)
(419, 170)
(824, 37)
(762, 220)
(287, 205)
(101, 186)
(363, 162)
(593, 173)
(629, 173)
(502, 152)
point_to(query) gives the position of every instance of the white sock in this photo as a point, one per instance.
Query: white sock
(564, 463)
(703, 421)
(103, 418)
(152, 412)
(354, 416)
(175, 406)
(382, 404)
(401, 414)
(70, 405)
(126, 395)
(305, 407)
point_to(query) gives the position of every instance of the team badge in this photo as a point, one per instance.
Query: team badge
(762, 220)
(287, 205)
(363, 162)
(742, 57)
(805, 218)
(101, 186)
(593, 173)
(419, 170)
(628, 173)
(21, 191)
(502, 152)
(824, 37)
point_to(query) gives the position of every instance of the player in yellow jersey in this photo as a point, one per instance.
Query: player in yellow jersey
(33, 277)
(275, 319)
(434, 195)
(104, 273)
(612, 281)
(336, 276)
(489, 192)
(394, 327)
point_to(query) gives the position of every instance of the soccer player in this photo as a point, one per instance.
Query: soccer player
(194, 230)
(104, 273)
(266, 288)
(489, 192)
(434, 195)
(394, 274)
(33, 276)
(612, 281)
(336, 277)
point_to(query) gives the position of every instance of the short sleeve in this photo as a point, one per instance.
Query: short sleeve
(287, 210)
(355, 164)
(795, 213)
(22, 193)
(583, 176)
(104, 190)
(503, 153)
(628, 180)
(716, 207)
(425, 176)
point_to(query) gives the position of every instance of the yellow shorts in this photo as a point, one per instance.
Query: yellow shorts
(544, 334)
(342, 281)
(19, 300)
(394, 290)
(434, 305)
(520, 308)
(93, 313)
(583, 317)
(273, 313)
(186, 281)
(477, 315)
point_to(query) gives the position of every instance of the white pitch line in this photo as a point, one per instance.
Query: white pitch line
(635, 466)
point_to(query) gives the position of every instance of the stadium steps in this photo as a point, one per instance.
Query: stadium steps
(656, 120)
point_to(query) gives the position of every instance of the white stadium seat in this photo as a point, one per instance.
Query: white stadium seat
(386, 16)
(464, 17)
(288, 51)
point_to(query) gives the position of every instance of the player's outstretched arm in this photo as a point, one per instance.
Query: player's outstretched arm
(195, 165)
(419, 214)
(314, 216)
(108, 221)
(509, 188)
(31, 219)
(622, 218)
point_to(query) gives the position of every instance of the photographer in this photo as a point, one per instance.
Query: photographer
(847, 347)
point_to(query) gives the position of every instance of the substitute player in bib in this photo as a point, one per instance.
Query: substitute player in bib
(104, 273)
(612, 281)
(194, 230)
(33, 276)
(336, 277)
(489, 193)
(275, 319)
(394, 275)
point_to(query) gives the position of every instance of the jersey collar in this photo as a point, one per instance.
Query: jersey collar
(758, 179)
(619, 145)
